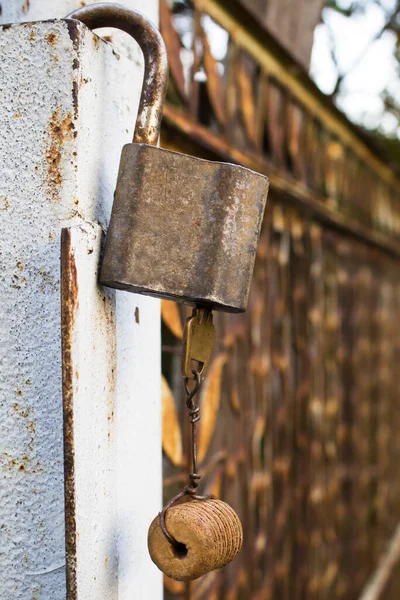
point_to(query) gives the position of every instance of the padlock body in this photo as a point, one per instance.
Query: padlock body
(184, 228)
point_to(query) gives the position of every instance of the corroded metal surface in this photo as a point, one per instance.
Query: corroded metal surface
(37, 124)
(58, 169)
(89, 357)
(299, 417)
(69, 303)
(184, 228)
(107, 14)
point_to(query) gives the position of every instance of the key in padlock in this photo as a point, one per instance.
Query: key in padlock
(198, 342)
(181, 228)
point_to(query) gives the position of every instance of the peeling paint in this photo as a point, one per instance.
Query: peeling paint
(75, 90)
(74, 32)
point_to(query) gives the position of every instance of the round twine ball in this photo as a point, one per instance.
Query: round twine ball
(209, 533)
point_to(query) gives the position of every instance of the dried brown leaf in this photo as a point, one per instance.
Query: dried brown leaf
(258, 433)
(214, 81)
(210, 402)
(171, 317)
(171, 431)
(235, 401)
(173, 44)
(214, 486)
(247, 104)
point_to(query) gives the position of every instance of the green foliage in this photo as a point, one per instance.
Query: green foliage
(390, 145)
(343, 10)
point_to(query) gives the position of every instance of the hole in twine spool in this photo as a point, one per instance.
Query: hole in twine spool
(180, 550)
(209, 535)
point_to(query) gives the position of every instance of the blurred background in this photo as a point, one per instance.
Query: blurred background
(300, 408)
(355, 59)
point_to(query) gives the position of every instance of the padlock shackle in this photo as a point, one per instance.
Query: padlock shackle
(155, 78)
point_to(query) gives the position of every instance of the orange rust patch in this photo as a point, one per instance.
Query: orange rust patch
(108, 38)
(32, 35)
(96, 41)
(21, 411)
(26, 6)
(68, 265)
(60, 131)
(6, 204)
(23, 464)
(52, 39)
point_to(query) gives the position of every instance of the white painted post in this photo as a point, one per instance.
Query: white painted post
(67, 105)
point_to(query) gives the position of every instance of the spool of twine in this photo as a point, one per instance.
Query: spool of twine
(209, 533)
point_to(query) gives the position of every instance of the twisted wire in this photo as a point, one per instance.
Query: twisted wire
(194, 478)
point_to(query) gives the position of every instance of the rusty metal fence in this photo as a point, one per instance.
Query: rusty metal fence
(300, 411)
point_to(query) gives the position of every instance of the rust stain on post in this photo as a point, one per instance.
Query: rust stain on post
(69, 306)
(61, 129)
(26, 6)
(52, 38)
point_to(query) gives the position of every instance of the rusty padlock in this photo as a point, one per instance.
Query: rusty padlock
(181, 228)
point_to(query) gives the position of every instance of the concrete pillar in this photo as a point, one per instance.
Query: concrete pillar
(67, 105)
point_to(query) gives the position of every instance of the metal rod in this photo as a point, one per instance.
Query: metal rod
(155, 78)
(379, 579)
(194, 477)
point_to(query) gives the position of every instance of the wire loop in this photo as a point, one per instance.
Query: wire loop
(190, 489)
